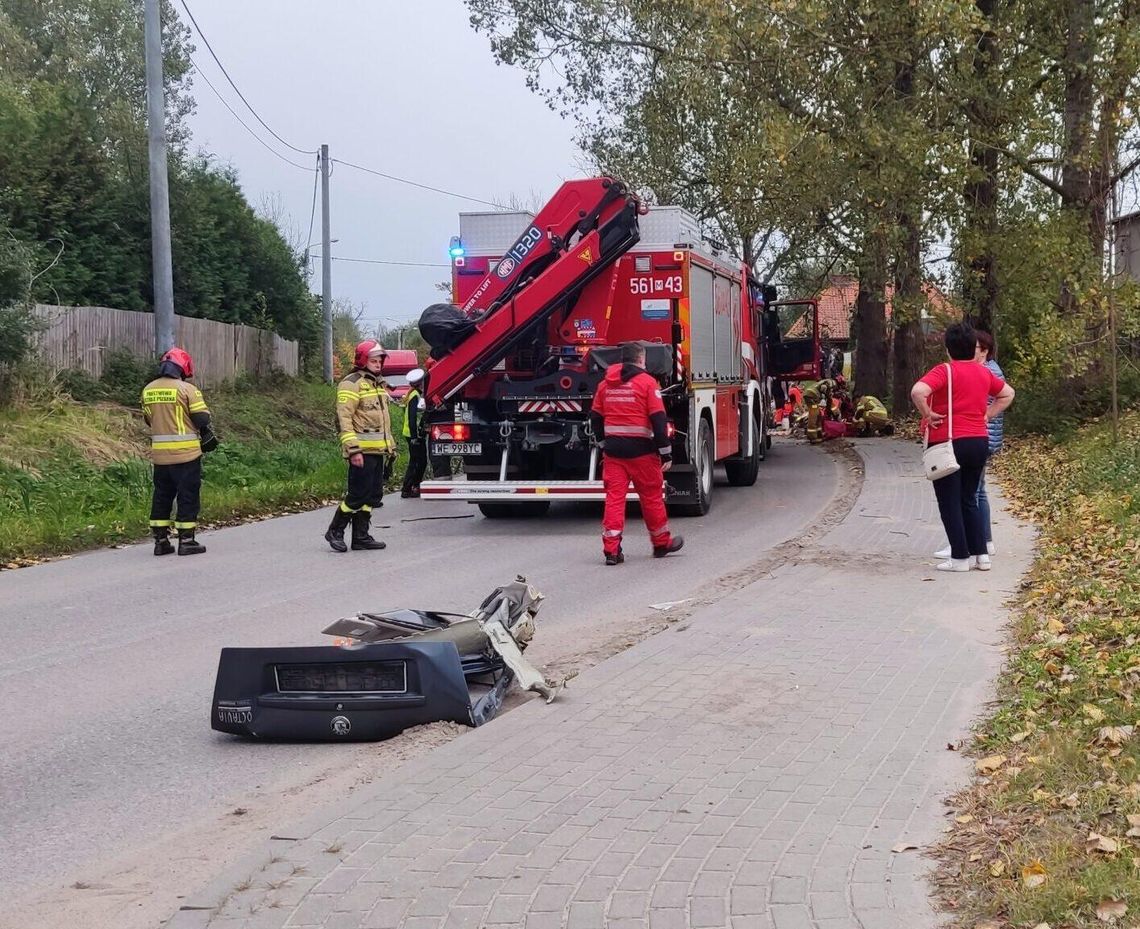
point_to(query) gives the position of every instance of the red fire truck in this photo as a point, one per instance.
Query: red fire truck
(542, 305)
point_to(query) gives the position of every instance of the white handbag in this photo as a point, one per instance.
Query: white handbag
(939, 461)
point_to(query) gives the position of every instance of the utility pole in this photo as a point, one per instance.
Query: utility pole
(161, 267)
(326, 266)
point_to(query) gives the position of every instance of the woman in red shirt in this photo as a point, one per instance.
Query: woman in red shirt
(971, 385)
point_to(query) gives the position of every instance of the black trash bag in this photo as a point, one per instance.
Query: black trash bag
(444, 327)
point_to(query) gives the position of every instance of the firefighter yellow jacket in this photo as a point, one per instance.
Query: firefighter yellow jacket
(362, 416)
(168, 405)
(871, 410)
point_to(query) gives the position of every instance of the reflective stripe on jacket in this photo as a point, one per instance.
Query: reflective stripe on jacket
(169, 408)
(629, 415)
(363, 422)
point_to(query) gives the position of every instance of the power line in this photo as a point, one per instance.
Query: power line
(404, 180)
(313, 211)
(301, 151)
(379, 261)
(245, 125)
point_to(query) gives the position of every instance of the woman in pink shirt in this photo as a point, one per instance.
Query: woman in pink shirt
(972, 385)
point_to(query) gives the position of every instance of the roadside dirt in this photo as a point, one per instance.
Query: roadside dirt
(141, 890)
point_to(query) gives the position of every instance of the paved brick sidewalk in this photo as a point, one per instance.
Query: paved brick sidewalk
(752, 768)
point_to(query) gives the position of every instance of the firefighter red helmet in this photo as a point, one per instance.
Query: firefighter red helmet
(365, 349)
(181, 358)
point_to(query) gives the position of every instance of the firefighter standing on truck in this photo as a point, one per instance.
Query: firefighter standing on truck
(628, 419)
(414, 436)
(366, 440)
(179, 422)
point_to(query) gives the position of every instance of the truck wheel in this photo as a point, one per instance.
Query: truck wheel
(514, 510)
(702, 476)
(742, 472)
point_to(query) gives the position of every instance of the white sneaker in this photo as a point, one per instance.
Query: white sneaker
(943, 552)
(990, 550)
(954, 564)
(982, 562)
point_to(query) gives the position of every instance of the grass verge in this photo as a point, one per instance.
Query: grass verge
(1049, 832)
(76, 475)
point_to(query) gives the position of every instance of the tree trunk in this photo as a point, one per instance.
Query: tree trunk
(869, 325)
(981, 188)
(1077, 195)
(906, 315)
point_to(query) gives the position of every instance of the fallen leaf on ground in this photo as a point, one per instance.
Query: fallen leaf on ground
(1033, 874)
(1055, 626)
(1070, 801)
(1019, 737)
(990, 764)
(1109, 911)
(1100, 843)
(962, 820)
(903, 847)
(1095, 713)
(1134, 823)
(1114, 735)
(997, 867)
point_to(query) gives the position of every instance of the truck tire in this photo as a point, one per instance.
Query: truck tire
(514, 510)
(742, 472)
(702, 476)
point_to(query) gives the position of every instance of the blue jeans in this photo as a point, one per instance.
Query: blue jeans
(984, 508)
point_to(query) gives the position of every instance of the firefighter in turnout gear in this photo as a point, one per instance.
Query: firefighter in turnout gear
(366, 440)
(180, 432)
(413, 435)
(628, 419)
(872, 418)
(813, 419)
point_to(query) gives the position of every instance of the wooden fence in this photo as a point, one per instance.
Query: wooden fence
(81, 336)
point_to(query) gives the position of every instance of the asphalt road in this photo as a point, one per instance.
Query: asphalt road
(108, 662)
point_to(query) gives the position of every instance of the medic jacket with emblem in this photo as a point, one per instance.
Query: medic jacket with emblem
(177, 415)
(628, 415)
(362, 415)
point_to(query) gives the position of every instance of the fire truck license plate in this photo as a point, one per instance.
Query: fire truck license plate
(457, 448)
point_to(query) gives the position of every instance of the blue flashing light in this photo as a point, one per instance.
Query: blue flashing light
(456, 249)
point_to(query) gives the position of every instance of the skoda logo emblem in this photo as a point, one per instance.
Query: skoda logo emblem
(341, 725)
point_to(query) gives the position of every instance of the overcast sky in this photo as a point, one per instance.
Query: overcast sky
(406, 88)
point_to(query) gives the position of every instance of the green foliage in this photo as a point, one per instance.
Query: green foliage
(816, 131)
(73, 160)
(76, 475)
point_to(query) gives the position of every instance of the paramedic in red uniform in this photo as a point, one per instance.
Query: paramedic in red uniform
(628, 419)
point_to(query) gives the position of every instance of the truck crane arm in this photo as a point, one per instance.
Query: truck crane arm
(584, 228)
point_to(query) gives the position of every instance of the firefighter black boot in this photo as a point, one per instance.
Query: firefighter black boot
(162, 544)
(361, 538)
(335, 534)
(187, 544)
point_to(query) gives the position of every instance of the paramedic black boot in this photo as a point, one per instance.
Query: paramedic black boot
(162, 544)
(361, 538)
(335, 534)
(675, 545)
(187, 544)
